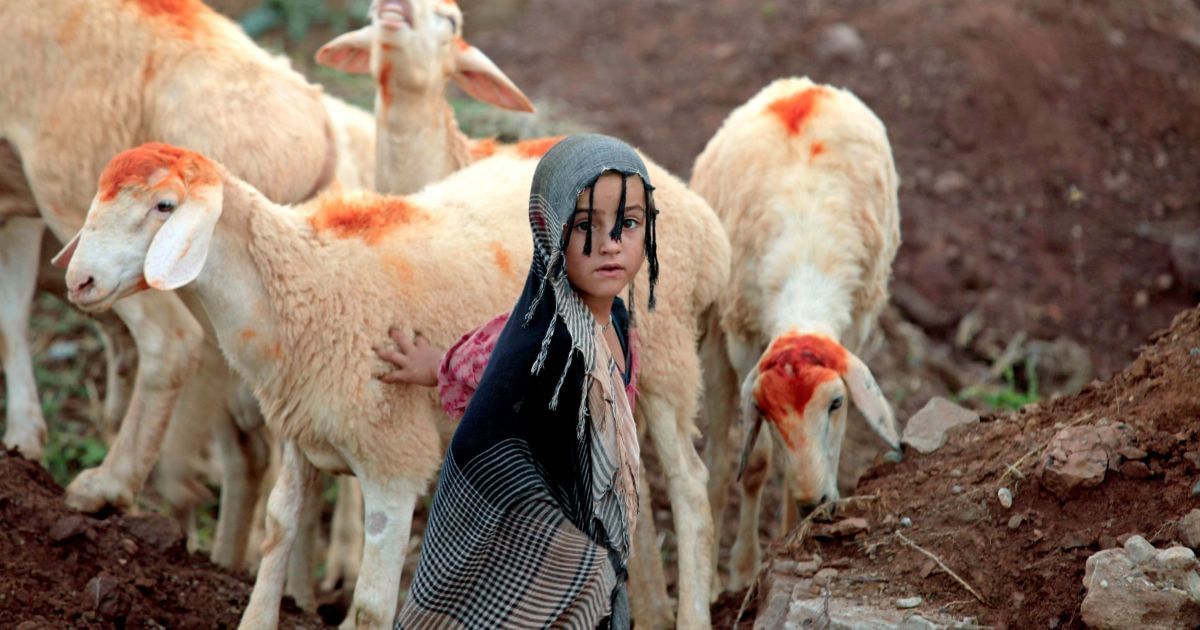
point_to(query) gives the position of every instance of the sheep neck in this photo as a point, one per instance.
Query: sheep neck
(809, 302)
(417, 140)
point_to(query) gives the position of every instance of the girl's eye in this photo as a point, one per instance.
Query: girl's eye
(631, 224)
(583, 226)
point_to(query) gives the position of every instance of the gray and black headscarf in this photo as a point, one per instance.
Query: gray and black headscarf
(531, 522)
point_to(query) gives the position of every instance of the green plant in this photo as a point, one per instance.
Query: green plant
(1009, 395)
(69, 451)
(298, 16)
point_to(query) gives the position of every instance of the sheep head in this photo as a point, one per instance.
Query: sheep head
(800, 388)
(149, 226)
(417, 45)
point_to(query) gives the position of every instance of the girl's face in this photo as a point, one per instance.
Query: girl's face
(612, 264)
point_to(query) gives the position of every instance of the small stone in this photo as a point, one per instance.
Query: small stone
(893, 457)
(926, 429)
(1189, 529)
(909, 602)
(905, 521)
(69, 526)
(1124, 538)
(824, 577)
(155, 530)
(1131, 452)
(1075, 540)
(104, 595)
(1107, 541)
(129, 546)
(1140, 551)
(849, 527)
(839, 41)
(949, 183)
(1141, 298)
(956, 489)
(1015, 521)
(1075, 457)
(1005, 497)
(1135, 470)
(1176, 558)
(808, 568)
(920, 476)
(956, 473)
(1196, 489)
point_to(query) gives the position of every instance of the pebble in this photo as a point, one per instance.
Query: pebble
(1196, 489)
(909, 602)
(1015, 521)
(956, 489)
(825, 576)
(905, 521)
(894, 457)
(1140, 551)
(1005, 496)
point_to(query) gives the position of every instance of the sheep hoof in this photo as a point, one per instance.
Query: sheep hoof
(94, 489)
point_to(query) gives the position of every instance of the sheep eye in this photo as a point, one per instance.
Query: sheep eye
(452, 21)
(165, 206)
(836, 404)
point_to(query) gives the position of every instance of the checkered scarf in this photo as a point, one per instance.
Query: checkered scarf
(536, 501)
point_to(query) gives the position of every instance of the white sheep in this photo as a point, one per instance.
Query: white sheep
(414, 49)
(110, 74)
(803, 179)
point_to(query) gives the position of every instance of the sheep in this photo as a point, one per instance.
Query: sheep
(803, 179)
(414, 49)
(108, 75)
(316, 388)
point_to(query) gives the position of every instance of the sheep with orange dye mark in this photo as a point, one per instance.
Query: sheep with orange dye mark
(284, 273)
(803, 179)
(136, 70)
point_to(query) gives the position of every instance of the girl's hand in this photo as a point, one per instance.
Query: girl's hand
(416, 360)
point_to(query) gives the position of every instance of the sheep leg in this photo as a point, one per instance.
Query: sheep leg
(243, 465)
(258, 523)
(669, 423)
(388, 504)
(746, 553)
(345, 537)
(168, 340)
(20, 239)
(120, 356)
(650, 603)
(301, 584)
(720, 409)
(284, 509)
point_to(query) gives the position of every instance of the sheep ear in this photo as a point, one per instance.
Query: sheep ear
(867, 396)
(752, 423)
(63, 257)
(178, 251)
(483, 80)
(348, 52)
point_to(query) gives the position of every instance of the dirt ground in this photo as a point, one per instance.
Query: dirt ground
(1049, 152)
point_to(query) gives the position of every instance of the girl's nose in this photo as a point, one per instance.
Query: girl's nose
(608, 244)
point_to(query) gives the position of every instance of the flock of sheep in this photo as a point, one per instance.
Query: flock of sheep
(298, 229)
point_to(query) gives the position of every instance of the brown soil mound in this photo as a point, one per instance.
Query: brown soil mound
(60, 568)
(1031, 574)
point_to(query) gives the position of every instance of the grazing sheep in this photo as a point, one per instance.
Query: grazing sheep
(414, 49)
(109, 74)
(803, 180)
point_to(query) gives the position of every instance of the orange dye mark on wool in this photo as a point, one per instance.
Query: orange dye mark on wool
(483, 148)
(537, 147)
(247, 335)
(276, 351)
(134, 167)
(503, 259)
(369, 217)
(791, 370)
(794, 110)
(817, 149)
(70, 27)
(385, 72)
(186, 15)
(149, 69)
(461, 43)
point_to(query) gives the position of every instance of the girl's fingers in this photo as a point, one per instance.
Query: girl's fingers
(393, 357)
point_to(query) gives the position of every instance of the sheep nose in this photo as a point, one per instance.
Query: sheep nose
(79, 288)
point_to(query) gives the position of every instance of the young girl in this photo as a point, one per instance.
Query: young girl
(534, 510)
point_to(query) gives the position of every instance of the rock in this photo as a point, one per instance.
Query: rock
(839, 41)
(1139, 550)
(1015, 521)
(155, 530)
(61, 351)
(1074, 458)
(1135, 470)
(926, 429)
(1185, 258)
(1196, 489)
(905, 521)
(1005, 497)
(1131, 452)
(836, 613)
(1107, 541)
(1075, 540)
(807, 568)
(909, 602)
(849, 527)
(948, 183)
(824, 577)
(1189, 529)
(68, 527)
(36, 623)
(104, 595)
(1162, 592)
(956, 489)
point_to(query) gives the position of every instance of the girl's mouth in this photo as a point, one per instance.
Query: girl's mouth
(611, 270)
